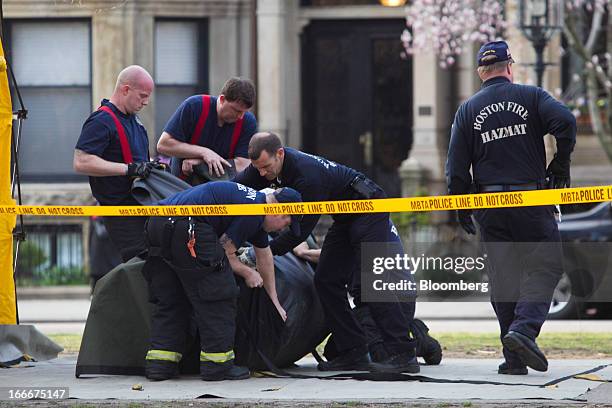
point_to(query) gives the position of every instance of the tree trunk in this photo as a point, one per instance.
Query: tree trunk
(598, 115)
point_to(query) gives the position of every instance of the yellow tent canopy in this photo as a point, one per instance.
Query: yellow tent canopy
(8, 312)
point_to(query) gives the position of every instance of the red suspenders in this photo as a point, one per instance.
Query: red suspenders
(125, 145)
(235, 137)
(197, 133)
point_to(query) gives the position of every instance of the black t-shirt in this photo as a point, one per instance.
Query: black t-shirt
(99, 137)
(316, 178)
(500, 131)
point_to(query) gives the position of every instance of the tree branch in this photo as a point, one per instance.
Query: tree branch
(595, 29)
(569, 29)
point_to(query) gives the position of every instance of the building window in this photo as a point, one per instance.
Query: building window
(181, 65)
(51, 255)
(52, 64)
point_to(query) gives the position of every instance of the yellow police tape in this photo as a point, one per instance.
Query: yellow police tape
(409, 204)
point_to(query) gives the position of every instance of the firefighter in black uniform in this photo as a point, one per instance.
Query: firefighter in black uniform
(318, 179)
(190, 267)
(499, 132)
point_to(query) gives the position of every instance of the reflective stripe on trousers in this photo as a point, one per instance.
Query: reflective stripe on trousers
(164, 355)
(217, 357)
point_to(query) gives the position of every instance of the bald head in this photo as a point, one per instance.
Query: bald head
(133, 88)
(134, 76)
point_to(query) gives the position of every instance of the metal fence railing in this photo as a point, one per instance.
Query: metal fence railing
(51, 255)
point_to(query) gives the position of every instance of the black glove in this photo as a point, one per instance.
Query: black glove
(140, 169)
(465, 220)
(558, 173)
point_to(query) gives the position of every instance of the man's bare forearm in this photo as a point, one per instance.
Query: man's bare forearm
(265, 267)
(92, 165)
(175, 148)
(238, 267)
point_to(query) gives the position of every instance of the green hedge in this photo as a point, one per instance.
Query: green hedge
(30, 270)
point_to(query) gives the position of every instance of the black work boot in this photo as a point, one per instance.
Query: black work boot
(378, 352)
(504, 368)
(526, 349)
(427, 347)
(355, 359)
(405, 362)
(227, 370)
(160, 370)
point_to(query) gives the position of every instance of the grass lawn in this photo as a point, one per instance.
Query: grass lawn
(70, 342)
(472, 345)
(554, 345)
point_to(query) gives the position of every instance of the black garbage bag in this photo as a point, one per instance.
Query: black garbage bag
(259, 327)
(202, 175)
(305, 328)
(158, 185)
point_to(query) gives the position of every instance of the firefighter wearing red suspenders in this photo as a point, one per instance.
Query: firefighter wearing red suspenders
(211, 130)
(112, 149)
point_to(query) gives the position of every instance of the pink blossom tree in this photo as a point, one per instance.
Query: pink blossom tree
(446, 26)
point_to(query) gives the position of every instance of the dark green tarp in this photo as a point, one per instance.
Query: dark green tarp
(115, 340)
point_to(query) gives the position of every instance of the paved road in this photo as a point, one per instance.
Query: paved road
(68, 316)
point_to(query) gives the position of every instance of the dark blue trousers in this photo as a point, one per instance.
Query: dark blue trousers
(127, 235)
(184, 287)
(339, 270)
(524, 259)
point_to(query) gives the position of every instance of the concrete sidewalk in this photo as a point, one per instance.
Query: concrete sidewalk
(53, 292)
(60, 373)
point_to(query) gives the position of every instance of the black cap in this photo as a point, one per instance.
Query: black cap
(492, 52)
(289, 195)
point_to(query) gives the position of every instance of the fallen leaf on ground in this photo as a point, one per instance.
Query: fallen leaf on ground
(590, 377)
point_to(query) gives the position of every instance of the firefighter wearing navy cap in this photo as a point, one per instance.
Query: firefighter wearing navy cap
(190, 267)
(318, 179)
(499, 132)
